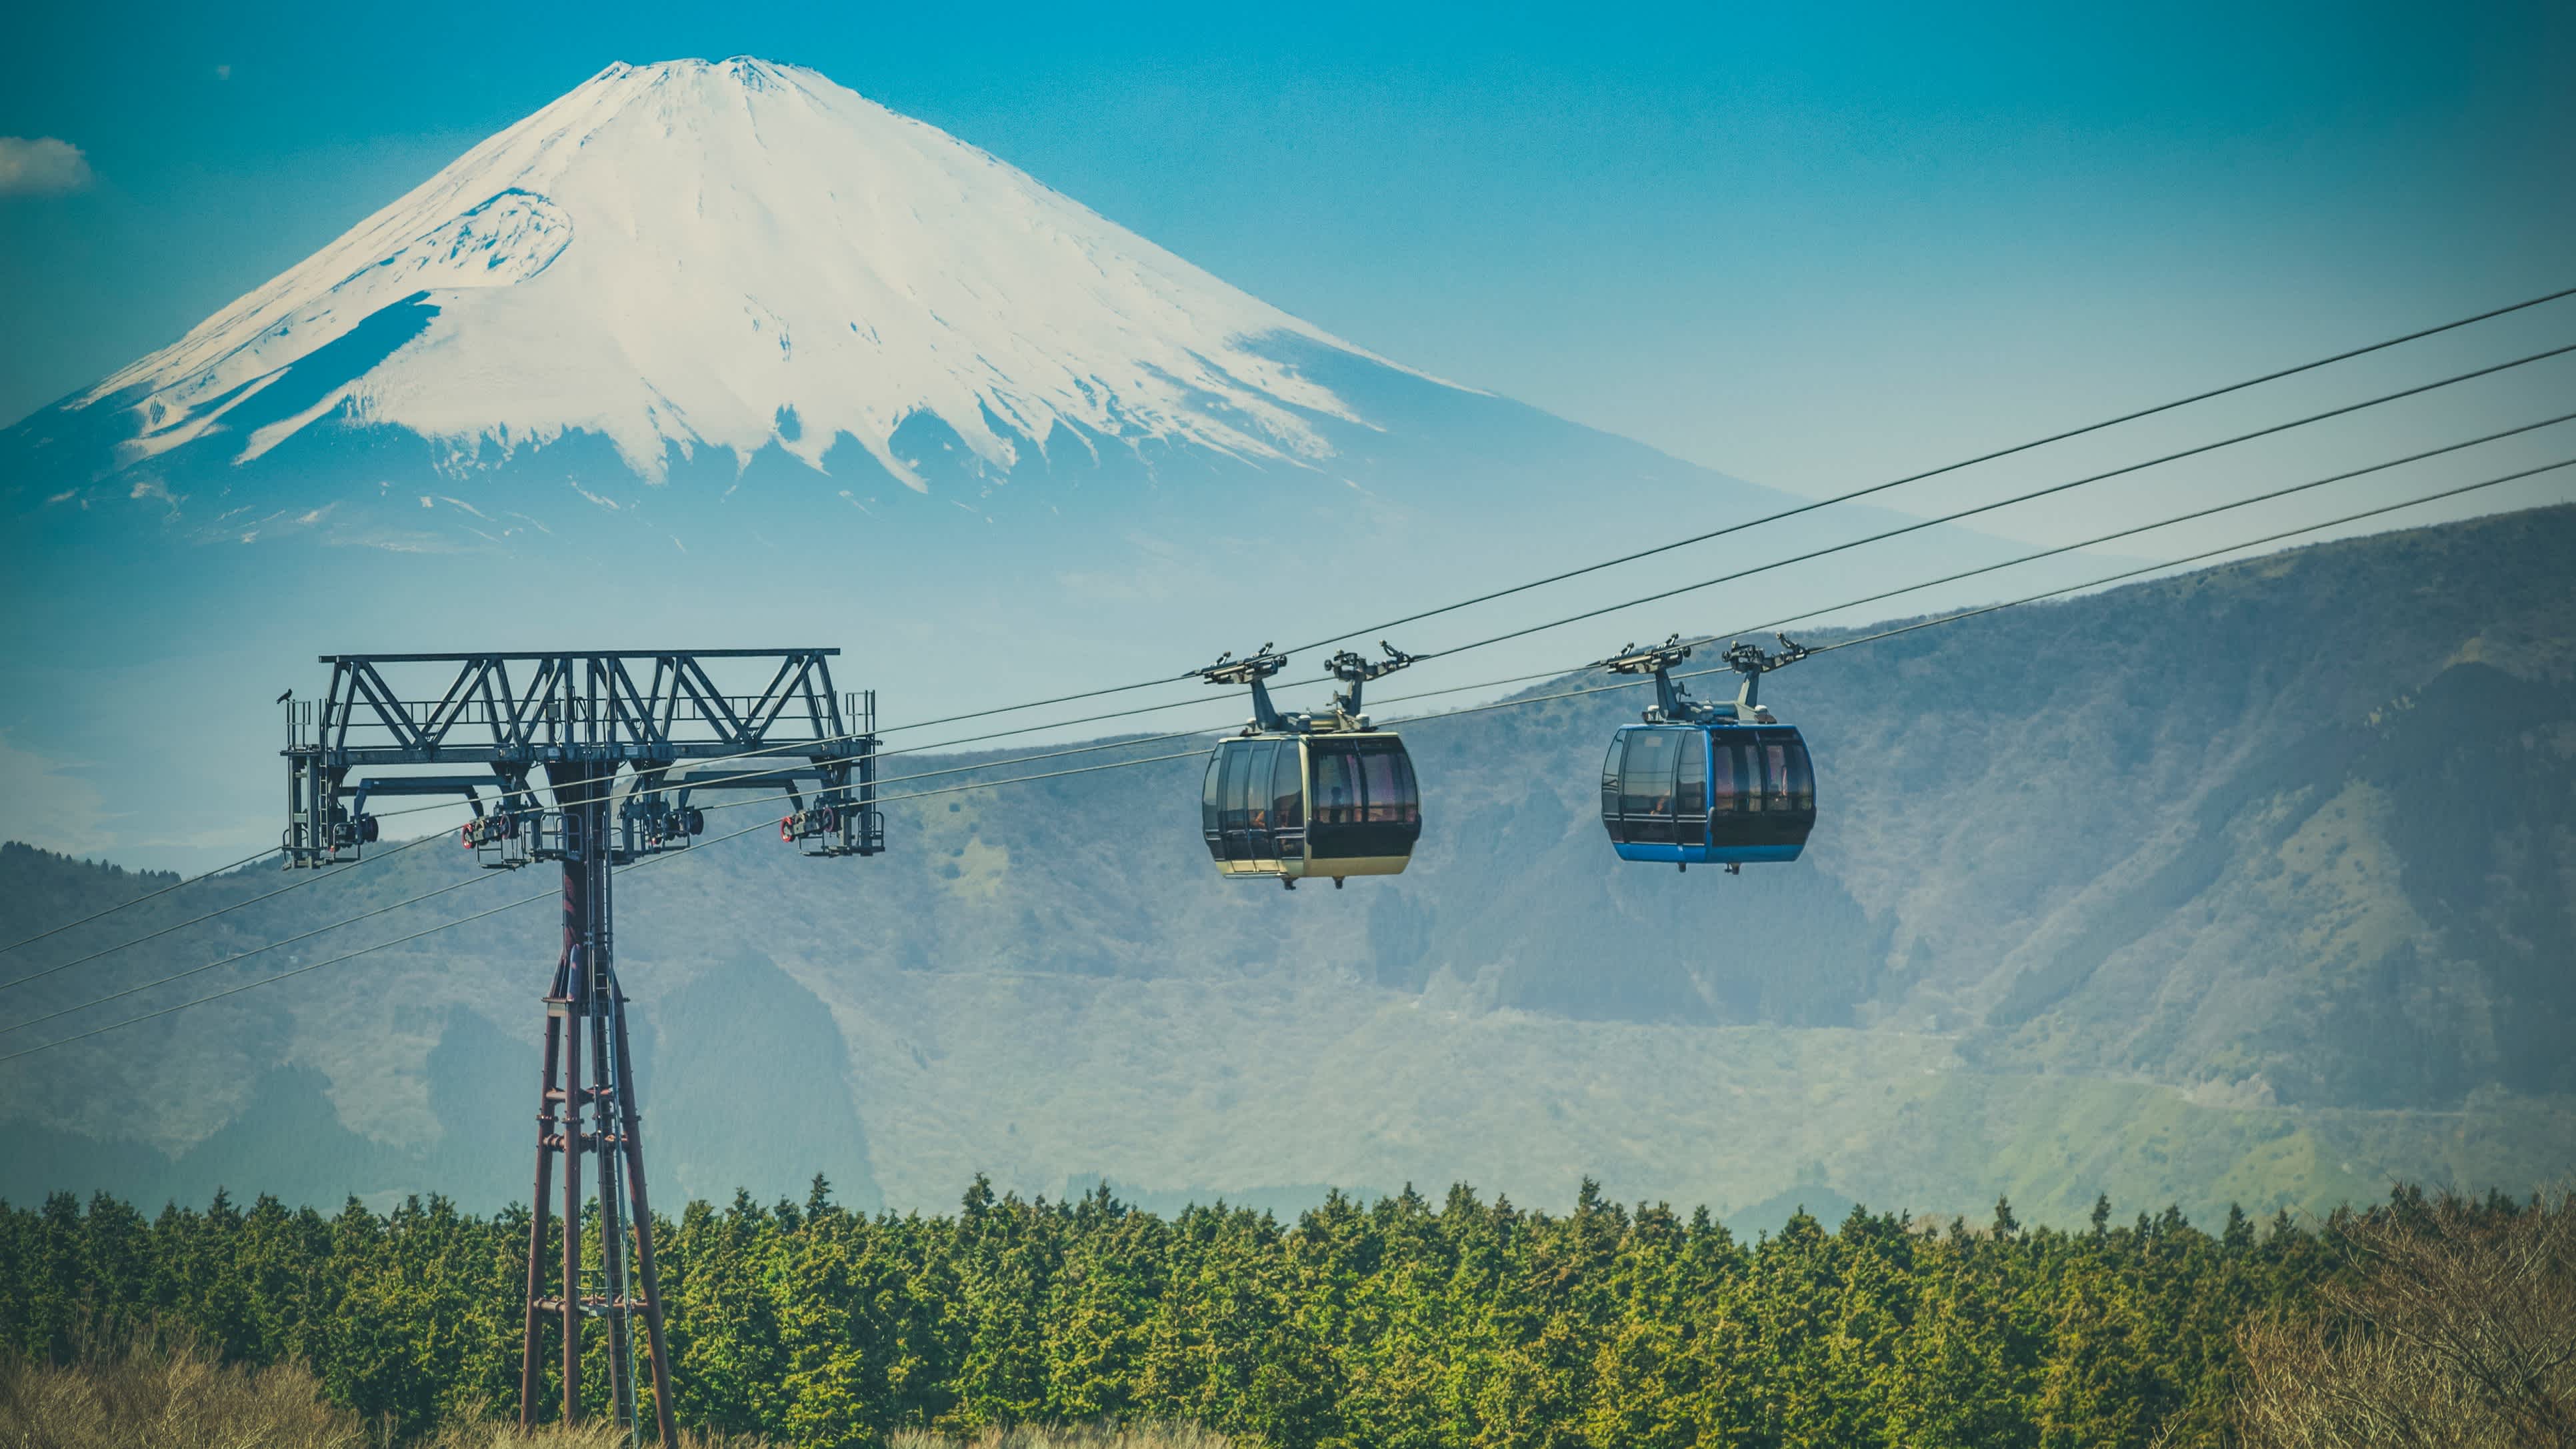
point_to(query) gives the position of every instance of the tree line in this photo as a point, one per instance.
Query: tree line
(1399, 1323)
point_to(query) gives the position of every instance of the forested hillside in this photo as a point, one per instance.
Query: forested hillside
(2248, 885)
(1397, 1323)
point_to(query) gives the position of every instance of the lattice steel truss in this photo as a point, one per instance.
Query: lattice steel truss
(597, 708)
(620, 750)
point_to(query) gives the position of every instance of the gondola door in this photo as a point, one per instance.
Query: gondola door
(1610, 764)
(1646, 785)
(1288, 802)
(1212, 806)
(1690, 796)
(1763, 791)
(1726, 784)
(1256, 800)
(1247, 769)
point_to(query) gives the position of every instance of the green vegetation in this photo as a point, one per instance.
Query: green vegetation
(1079, 1436)
(2249, 884)
(1400, 1323)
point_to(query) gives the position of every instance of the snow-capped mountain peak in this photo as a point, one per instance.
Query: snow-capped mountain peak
(732, 254)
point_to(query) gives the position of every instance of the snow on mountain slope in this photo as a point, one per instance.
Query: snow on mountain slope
(728, 255)
(720, 351)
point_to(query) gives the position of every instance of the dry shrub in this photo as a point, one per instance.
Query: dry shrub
(596, 1434)
(593, 1434)
(168, 1398)
(157, 1394)
(1069, 1436)
(2457, 1329)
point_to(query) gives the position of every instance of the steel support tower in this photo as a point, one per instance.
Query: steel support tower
(608, 743)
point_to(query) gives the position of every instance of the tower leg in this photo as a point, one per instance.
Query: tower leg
(547, 1086)
(647, 1275)
(604, 1071)
(597, 1115)
(572, 1134)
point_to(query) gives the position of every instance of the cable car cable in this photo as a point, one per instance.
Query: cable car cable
(2036, 493)
(2009, 603)
(1836, 548)
(1125, 742)
(1970, 573)
(137, 900)
(268, 980)
(803, 744)
(1803, 508)
(245, 955)
(885, 754)
(208, 916)
(2133, 416)
(1037, 704)
(1552, 673)
(1854, 543)
(472, 880)
(2194, 558)
(1988, 457)
(991, 784)
(1421, 719)
(2112, 537)
(2165, 523)
(1513, 634)
(425, 839)
(314, 966)
(443, 890)
(462, 920)
(2190, 517)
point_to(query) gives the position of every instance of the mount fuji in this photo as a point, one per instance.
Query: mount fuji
(728, 258)
(721, 352)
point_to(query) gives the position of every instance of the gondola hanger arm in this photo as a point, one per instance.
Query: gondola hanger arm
(1355, 670)
(1252, 671)
(1752, 661)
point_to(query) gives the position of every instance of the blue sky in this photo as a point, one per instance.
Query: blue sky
(1802, 244)
(1812, 246)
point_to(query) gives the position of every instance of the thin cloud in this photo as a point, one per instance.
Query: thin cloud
(52, 806)
(43, 166)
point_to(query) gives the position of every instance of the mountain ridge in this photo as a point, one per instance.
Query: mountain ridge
(1984, 978)
(721, 349)
(797, 226)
